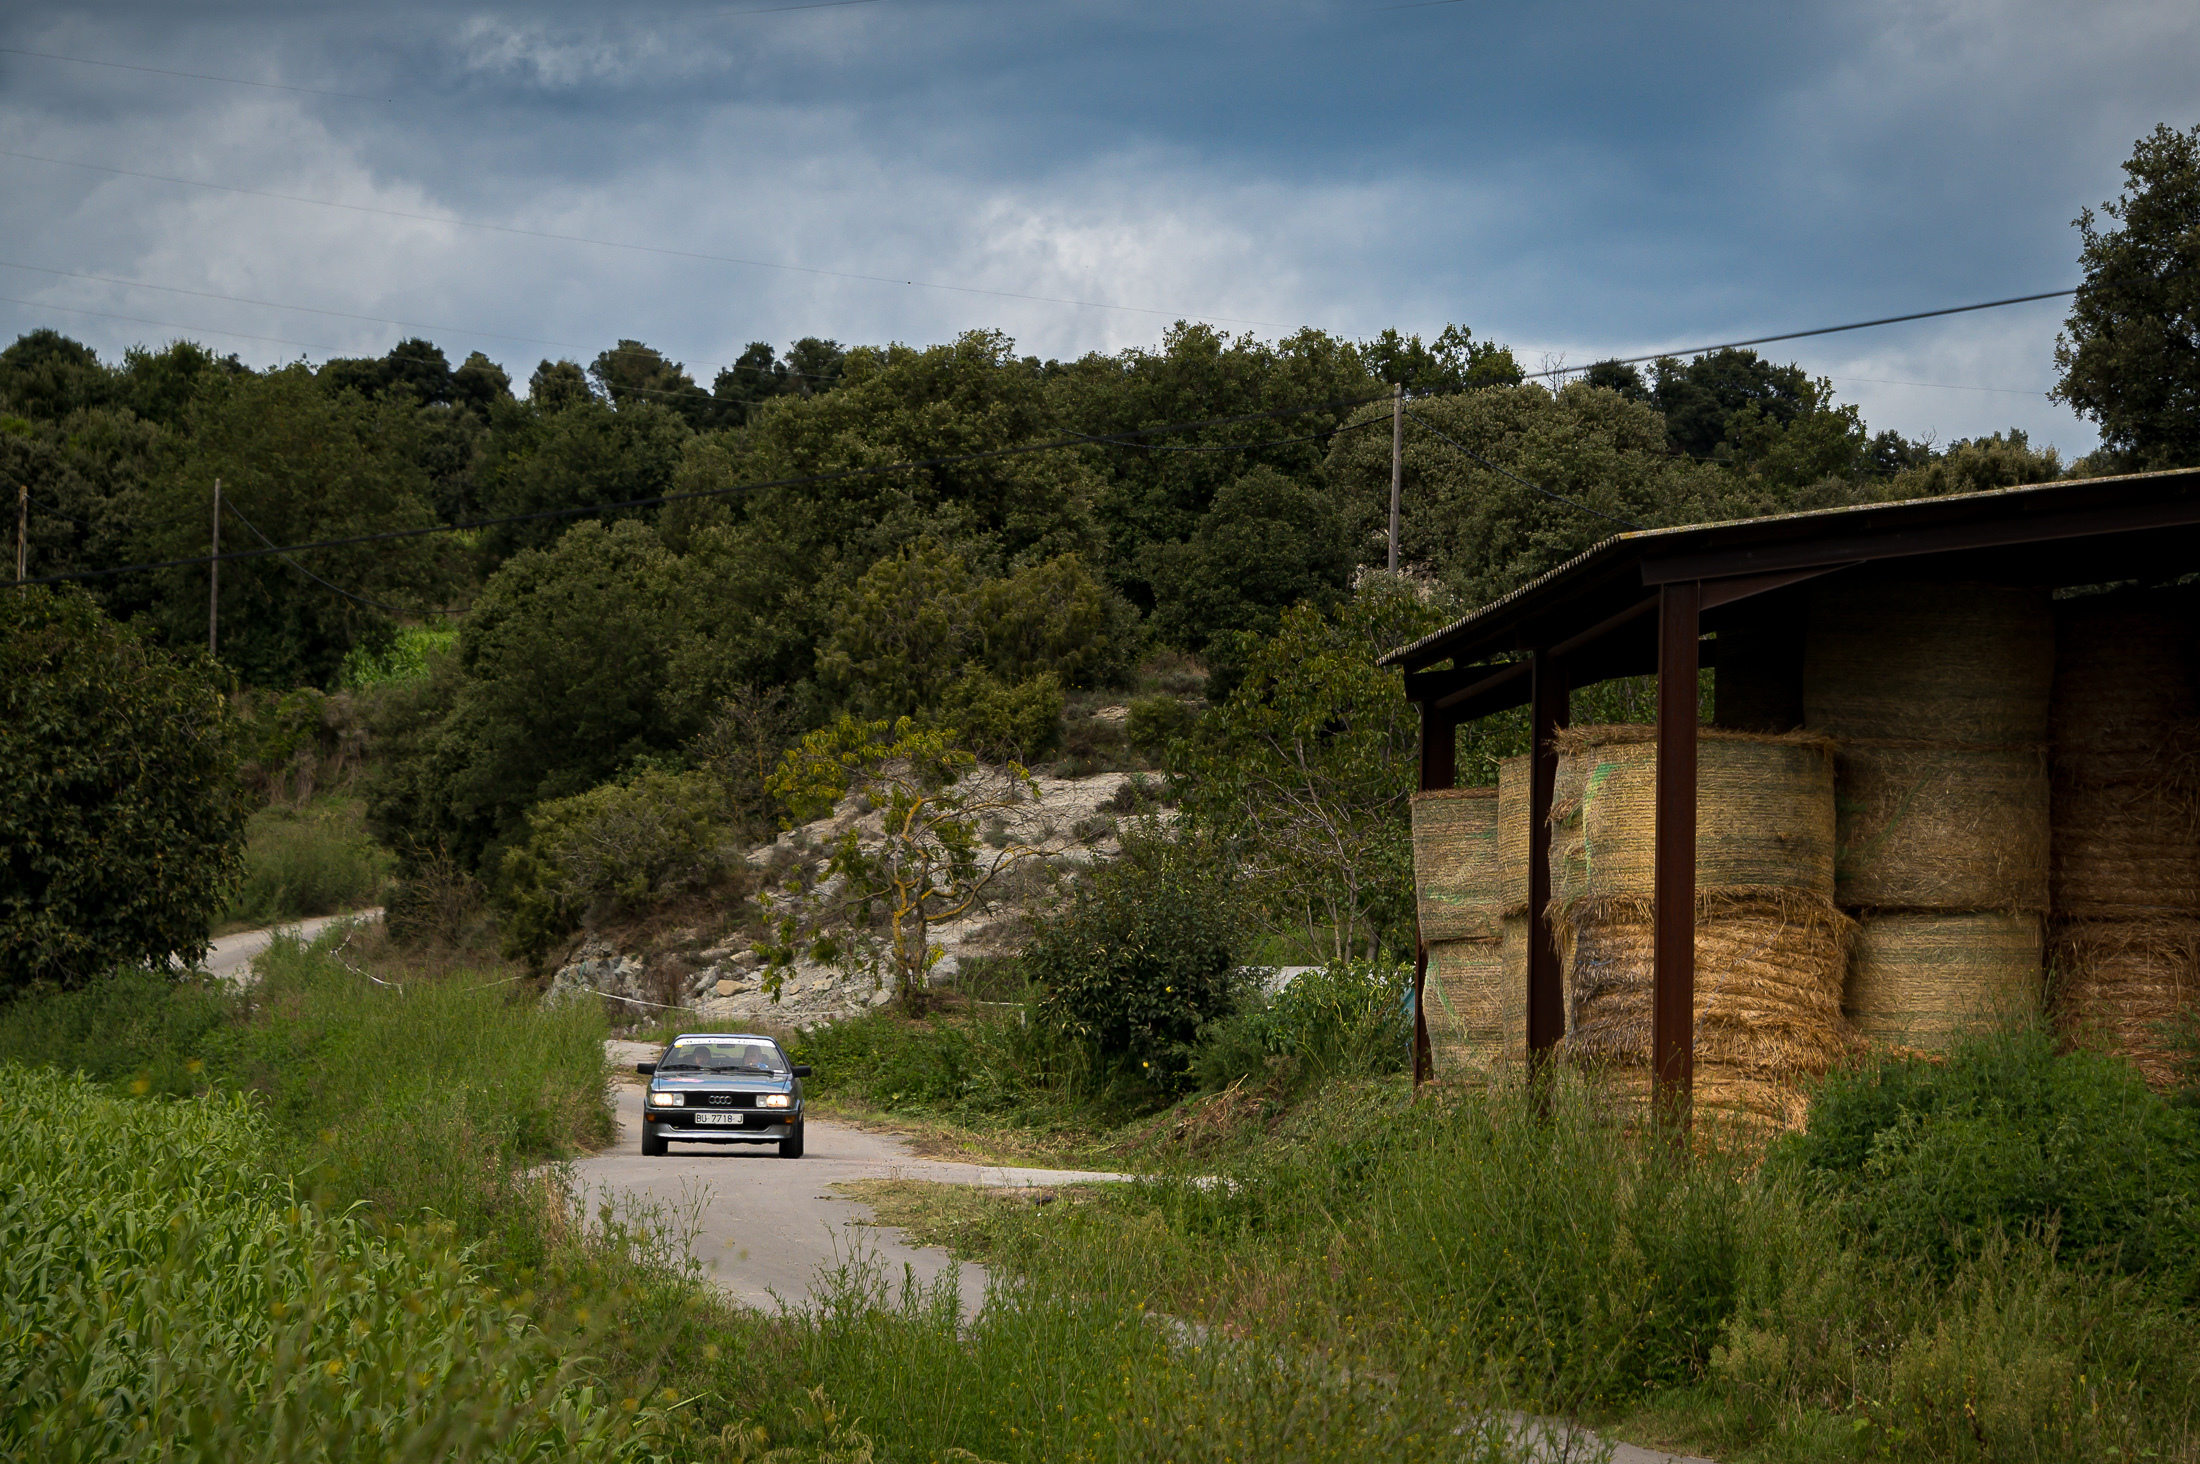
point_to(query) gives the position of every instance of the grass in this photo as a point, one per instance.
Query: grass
(317, 859)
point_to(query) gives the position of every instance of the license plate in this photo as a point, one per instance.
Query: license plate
(720, 1117)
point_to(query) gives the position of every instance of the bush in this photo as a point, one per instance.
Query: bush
(1343, 1021)
(1158, 720)
(620, 848)
(403, 659)
(1000, 722)
(2010, 1137)
(122, 830)
(1142, 958)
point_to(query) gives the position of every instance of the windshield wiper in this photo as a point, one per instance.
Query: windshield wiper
(753, 1069)
(667, 1067)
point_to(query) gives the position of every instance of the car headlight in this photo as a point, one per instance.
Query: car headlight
(664, 1100)
(776, 1100)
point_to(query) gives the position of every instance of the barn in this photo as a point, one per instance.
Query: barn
(1950, 773)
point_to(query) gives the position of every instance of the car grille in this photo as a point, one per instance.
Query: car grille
(721, 1100)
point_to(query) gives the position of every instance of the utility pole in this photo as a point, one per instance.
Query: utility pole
(1397, 464)
(22, 529)
(214, 572)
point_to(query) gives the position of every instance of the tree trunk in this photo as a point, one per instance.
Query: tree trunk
(910, 940)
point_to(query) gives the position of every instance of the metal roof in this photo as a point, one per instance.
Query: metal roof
(2069, 532)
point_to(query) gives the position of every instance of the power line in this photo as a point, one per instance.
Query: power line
(193, 75)
(1796, 335)
(1523, 482)
(656, 500)
(659, 250)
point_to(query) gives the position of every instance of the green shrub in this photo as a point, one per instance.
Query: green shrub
(405, 658)
(167, 1298)
(1341, 1021)
(122, 829)
(1000, 722)
(619, 848)
(1142, 957)
(2011, 1137)
(1158, 720)
(131, 1026)
(314, 861)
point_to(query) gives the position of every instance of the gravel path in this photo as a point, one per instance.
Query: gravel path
(232, 954)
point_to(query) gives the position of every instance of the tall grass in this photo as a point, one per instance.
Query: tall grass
(167, 1297)
(315, 860)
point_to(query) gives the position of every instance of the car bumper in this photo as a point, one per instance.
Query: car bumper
(755, 1130)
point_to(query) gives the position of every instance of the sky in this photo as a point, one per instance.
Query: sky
(1576, 180)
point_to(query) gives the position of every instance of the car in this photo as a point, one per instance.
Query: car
(723, 1088)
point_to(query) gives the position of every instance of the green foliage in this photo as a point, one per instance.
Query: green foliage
(1977, 464)
(405, 658)
(1266, 544)
(122, 830)
(618, 849)
(1349, 1020)
(299, 464)
(1454, 362)
(2011, 1138)
(1156, 722)
(1000, 722)
(575, 456)
(308, 861)
(2126, 352)
(1141, 958)
(129, 1026)
(1306, 771)
(135, 1332)
(1701, 399)
(1484, 533)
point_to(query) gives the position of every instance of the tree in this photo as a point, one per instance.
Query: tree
(917, 855)
(2130, 351)
(1456, 362)
(573, 457)
(297, 464)
(122, 833)
(1266, 544)
(632, 374)
(1978, 464)
(1306, 771)
(1699, 399)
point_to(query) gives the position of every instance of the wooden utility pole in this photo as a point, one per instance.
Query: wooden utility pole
(22, 529)
(1397, 463)
(214, 573)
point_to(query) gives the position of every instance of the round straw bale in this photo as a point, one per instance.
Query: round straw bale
(1456, 874)
(1928, 662)
(2123, 679)
(1464, 991)
(1935, 827)
(1923, 980)
(2125, 850)
(1764, 813)
(2117, 983)
(1512, 830)
(1767, 999)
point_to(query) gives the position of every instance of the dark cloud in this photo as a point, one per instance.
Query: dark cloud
(1580, 179)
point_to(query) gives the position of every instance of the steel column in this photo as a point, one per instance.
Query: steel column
(1547, 713)
(1673, 1005)
(1439, 769)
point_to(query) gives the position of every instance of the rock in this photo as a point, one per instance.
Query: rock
(727, 988)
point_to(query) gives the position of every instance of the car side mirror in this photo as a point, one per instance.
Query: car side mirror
(645, 1067)
(801, 1069)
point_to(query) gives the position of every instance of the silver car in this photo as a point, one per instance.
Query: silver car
(723, 1088)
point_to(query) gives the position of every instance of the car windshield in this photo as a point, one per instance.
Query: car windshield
(723, 1057)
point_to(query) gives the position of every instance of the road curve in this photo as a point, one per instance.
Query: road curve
(232, 955)
(767, 1225)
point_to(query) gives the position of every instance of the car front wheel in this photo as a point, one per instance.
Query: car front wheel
(790, 1147)
(652, 1146)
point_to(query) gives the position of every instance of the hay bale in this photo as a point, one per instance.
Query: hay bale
(1924, 826)
(1923, 980)
(2123, 684)
(1457, 876)
(1512, 1003)
(1512, 831)
(2118, 982)
(1464, 992)
(1928, 663)
(2125, 849)
(1764, 813)
(1769, 972)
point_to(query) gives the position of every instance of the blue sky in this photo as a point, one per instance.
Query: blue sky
(1578, 180)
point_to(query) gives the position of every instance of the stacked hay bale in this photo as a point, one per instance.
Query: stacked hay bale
(1938, 696)
(1513, 792)
(1770, 945)
(2125, 866)
(1458, 882)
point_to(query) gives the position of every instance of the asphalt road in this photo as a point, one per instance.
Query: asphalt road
(232, 954)
(767, 1225)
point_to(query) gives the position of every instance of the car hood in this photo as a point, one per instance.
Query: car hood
(721, 1083)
